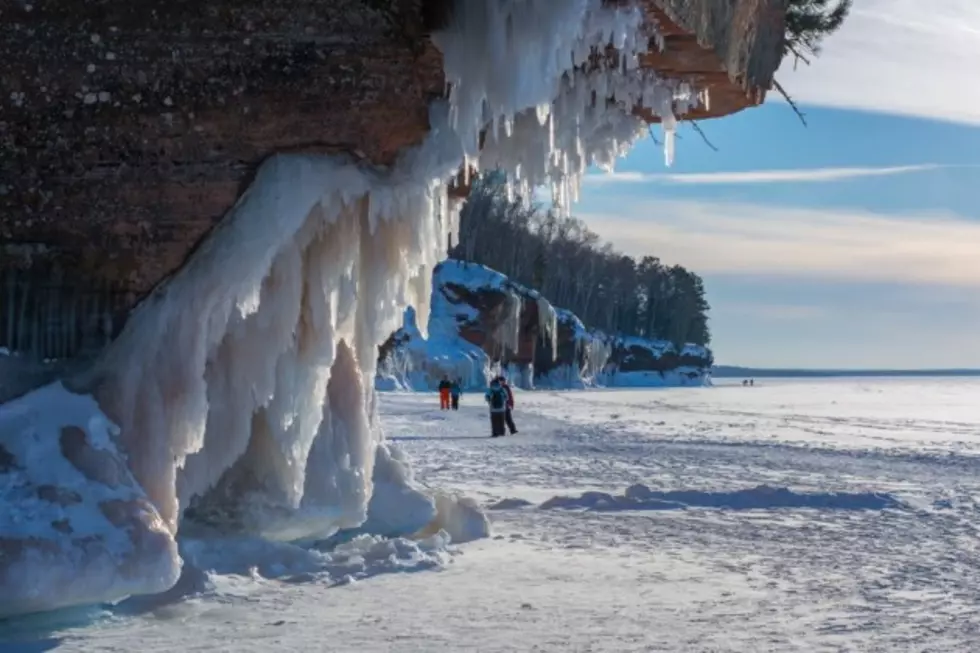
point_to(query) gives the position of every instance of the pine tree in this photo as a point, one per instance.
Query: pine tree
(808, 22)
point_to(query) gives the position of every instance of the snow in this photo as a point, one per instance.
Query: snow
(805, 515)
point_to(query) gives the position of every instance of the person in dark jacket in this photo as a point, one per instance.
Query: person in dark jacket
(455, 391)
(496, 398)
(508, 414)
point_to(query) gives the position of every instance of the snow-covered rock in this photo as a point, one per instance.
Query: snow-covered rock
(75, 527)
(482, 322)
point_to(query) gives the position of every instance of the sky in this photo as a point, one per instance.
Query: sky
(853, 242)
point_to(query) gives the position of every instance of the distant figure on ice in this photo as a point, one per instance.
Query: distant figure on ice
(751, 382)
(497, 400)
(509, 415)
(745, 383)
(444, 387)
(455, 391)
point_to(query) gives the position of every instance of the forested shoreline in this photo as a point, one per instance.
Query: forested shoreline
(569, 264)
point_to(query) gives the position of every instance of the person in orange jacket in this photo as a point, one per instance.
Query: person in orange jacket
(444, 387)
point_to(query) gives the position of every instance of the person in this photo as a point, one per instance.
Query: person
(455, 390)
(508, 414)
(497, 400)
(444, 387)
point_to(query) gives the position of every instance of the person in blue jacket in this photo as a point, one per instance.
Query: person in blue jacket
(496, 398)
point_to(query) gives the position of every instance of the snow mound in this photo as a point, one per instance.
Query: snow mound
(762, 497)
(75, 527)
(458, 516)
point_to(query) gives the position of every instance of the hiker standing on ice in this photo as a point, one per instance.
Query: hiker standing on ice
(455, 390)
(497, 400)
(508, 414)
(444, 387)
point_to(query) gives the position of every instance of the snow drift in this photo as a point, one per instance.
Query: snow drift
(761, 497)
(238, 393)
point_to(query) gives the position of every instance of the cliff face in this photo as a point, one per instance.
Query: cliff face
(127, 130)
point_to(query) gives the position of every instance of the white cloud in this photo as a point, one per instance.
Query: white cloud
(897, 56)
(791, 175)
(727, 238)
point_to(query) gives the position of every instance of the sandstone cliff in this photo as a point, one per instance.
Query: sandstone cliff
(128, 130)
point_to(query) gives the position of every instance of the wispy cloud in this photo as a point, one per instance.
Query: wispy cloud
(898, 56)
(725, 238)
(792, 175)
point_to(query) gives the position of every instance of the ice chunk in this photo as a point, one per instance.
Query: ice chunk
(75, 527)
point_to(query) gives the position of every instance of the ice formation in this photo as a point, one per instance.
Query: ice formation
(243, 375)
(75, 526)
(548, 325)
(535, 75)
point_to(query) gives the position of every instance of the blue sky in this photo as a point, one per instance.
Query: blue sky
(853, 242)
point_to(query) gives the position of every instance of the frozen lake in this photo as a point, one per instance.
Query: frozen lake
(634, 521)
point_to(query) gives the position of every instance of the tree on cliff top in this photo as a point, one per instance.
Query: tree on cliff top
(570, 265)
(808, 22)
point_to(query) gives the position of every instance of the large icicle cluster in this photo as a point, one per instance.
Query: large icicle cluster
(244, 374)
(534, 78)
(548, 325)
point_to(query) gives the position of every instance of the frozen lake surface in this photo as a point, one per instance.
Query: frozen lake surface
(797, 515)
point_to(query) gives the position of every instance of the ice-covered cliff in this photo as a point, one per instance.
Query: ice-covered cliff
(481, 323)
(218, 217)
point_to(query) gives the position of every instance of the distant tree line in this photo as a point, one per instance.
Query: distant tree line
(565, 261)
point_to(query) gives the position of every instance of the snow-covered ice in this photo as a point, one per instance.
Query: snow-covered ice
(827, 515)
